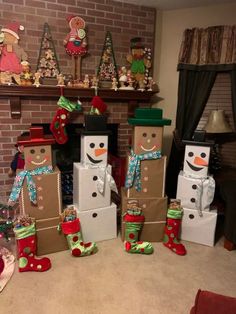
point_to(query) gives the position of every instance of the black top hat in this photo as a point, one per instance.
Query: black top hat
(95, 124)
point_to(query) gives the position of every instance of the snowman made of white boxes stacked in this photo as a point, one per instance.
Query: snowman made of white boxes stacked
(196, 189)
(92, 183)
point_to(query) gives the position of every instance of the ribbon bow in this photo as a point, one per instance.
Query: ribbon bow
(133, 175)
(19, 180)
(66, 104)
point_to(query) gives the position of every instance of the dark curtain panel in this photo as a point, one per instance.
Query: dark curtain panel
(193, 92)
(233, 89)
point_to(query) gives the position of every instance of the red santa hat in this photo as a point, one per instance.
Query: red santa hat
(13, 29)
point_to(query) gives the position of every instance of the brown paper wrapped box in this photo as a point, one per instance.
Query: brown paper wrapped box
(49, 203)
(154, 210)
(138, 138)
(153, 173)
(49, 239)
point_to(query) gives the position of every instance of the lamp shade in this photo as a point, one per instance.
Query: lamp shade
(217, 123)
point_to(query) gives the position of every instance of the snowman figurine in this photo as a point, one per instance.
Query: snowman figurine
(195, 186)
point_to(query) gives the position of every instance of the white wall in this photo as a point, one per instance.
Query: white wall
(169, 30)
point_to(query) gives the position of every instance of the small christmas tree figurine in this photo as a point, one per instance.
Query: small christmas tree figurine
(6, 223)
(107, 69)
(48, 65)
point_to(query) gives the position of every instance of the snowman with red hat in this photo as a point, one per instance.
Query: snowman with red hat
(11, 54)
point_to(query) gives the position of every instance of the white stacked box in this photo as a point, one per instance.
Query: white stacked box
(98, 224)
(195, 193)
(199, 229)
(85, 190)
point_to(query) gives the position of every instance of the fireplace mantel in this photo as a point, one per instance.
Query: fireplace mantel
(16, 93)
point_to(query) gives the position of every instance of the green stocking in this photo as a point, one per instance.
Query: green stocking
(133, 226)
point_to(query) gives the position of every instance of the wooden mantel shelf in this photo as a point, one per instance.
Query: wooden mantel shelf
(15, 93)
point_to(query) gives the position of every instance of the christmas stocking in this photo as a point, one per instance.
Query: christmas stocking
(133, 224)
(171, 233)
(75, 241)
(26, 249)
(61, 119)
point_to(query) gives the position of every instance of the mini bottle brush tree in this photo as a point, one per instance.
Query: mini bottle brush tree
(48, 65)
(107, 69)
(6, 221)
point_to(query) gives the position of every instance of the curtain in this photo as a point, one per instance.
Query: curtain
(203, 53)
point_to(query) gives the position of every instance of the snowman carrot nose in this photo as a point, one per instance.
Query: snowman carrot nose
(100, 151)
(200, 162)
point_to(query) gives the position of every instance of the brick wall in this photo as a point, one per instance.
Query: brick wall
(123, 20)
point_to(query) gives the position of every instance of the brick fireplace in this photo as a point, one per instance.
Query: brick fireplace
(123, 20)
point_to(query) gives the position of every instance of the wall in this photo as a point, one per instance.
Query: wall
(123, 20)
(173, 24)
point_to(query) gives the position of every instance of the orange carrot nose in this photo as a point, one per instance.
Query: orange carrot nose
(100, 151)
(200, 162)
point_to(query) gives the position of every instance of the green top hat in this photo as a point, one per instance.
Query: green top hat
(149, 116)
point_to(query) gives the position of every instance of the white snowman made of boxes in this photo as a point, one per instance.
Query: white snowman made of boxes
(196, 189)
(92, 182)
(148, 127)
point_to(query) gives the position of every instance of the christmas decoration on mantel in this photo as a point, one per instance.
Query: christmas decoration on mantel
(48, 65)
(107, 70)
(75, 43)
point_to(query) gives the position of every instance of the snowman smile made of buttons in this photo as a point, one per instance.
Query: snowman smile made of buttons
(96, 150)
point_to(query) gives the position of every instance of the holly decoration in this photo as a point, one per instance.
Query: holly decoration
(6, 223)
(48, 65)
(107, 69)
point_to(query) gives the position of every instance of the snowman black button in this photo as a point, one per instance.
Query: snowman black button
(94, 194)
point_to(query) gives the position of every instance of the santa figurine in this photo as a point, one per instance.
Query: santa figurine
(11, 54)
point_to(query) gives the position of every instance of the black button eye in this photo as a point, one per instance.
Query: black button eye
(42, 150)
(101, 145)
(144, 134)
(203, 155)
(191, 216)
(190, 154)
(153, 135)
(95, 178)
(92, 145)
(32, 151)
(94, 215)
(94, 194)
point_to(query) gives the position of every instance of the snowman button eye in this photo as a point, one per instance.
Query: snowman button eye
(42, 150)
(144, 134)
(32, 151)
(203, 155)
(92, 145)
(153, 135)
(101, 145)
(190, 154)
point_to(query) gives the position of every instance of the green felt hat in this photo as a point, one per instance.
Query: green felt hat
(149, 116)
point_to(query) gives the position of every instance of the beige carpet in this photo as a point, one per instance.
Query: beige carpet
(113, 281)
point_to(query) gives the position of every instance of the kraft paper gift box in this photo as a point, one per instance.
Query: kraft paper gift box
(153, 173)
(195, 193)
(49, 201)
(99, 224)
(147, 138)
(49, 239)
(195, 228)
(85, 191)
(154, 210)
